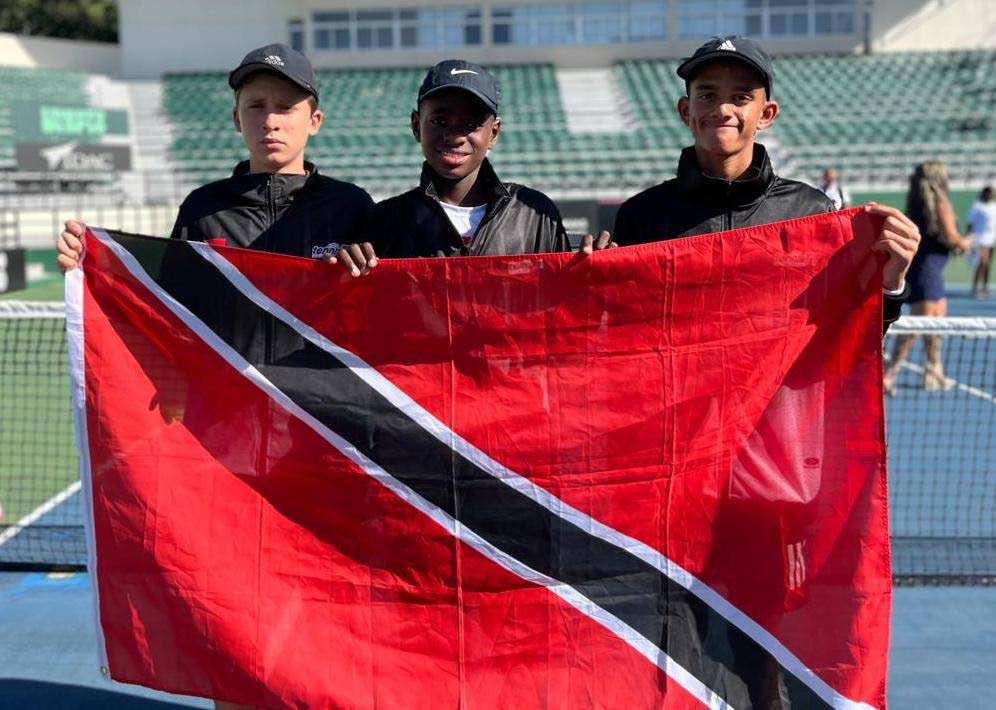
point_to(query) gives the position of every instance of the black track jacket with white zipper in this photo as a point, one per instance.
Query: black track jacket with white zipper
(694, 203)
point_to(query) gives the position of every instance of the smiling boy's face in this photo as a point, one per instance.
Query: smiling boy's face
(456, 132)
(275, 118)
(726, 105)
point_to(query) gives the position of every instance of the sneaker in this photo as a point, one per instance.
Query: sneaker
(889, 383)
(934, 380)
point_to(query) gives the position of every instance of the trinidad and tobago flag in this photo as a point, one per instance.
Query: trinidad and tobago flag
(650, 477)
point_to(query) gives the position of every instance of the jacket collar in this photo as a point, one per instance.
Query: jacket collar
(745, 190)
(487, 174)
(243, 169)
(250, 185)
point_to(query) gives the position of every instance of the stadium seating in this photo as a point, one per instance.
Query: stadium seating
(872, 117)
(366, 137)
(879, 115)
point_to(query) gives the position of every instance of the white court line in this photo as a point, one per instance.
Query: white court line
(39, 511)
(967, 389)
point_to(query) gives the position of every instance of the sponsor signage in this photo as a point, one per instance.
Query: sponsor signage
(40, 122)
(72, 157)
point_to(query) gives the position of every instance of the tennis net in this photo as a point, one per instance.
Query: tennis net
(942, 450)
(42, 515)
(941, 430)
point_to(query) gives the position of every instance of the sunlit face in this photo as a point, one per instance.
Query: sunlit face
(456, 132)
(726, 105)
(275, 118)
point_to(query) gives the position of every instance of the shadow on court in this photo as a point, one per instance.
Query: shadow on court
(942, 653)
(15, 693)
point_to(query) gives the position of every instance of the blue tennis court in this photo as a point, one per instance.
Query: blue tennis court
(943, 648)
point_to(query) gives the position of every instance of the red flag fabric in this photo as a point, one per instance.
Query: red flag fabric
(649, 477)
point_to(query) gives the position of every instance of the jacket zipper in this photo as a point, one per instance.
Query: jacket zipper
(729, 206)
(270, 219)
(494, 207)
(268, 336)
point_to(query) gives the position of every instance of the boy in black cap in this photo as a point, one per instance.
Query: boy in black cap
(725, 181)
(274, 201)
(460, 205)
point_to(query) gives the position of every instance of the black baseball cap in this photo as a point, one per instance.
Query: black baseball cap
(278, 59)
(730, 48)
(458, 74)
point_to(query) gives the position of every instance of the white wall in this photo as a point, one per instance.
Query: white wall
(47, 53)
(213, 35)
(938, 24)
(195, 35)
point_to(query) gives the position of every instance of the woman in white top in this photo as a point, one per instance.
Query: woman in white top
(982, 226)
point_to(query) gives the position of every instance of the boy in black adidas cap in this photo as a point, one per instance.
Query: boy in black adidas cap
(725, 181)
(274, 201)
(460, 205)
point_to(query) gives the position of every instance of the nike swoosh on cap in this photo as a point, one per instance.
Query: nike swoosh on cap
(454, 72)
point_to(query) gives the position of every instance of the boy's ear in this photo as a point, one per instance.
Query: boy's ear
(768, 114)
(317, 117)
(415, 127)
(495, 130)
(683, 109)
(235, 119)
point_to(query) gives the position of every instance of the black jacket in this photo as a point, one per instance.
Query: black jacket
(695, 203)
(300, 215)
(518, 220)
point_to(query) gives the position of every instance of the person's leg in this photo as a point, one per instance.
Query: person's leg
(901, 349)
(933, 374)
(980, 269)
(985, 258)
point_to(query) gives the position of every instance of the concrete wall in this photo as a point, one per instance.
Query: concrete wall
(195, 35)
(213, 35)
(47, 53)
(908, 25)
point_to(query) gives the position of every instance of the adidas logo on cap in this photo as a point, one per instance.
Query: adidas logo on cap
(728, 46)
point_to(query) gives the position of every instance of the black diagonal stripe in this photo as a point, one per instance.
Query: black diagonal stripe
(719, 654)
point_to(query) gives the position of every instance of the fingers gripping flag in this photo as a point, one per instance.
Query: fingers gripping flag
(653, 477)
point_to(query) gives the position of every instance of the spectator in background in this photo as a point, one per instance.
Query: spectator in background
(929, 206)
(831, 187)
(982, 227)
